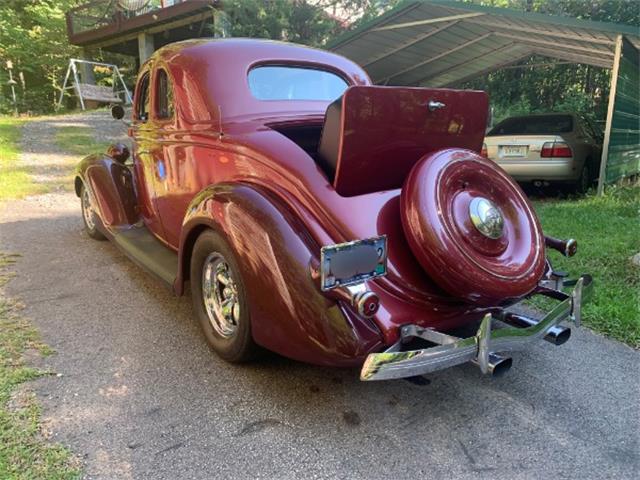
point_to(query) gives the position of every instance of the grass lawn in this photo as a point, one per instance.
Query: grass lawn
(608, 232)
(24, 453)
(78, 141)
(15, 181)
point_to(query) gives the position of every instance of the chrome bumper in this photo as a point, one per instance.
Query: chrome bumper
(559, 169)
(483, 349)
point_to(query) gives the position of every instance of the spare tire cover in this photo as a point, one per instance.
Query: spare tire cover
(437, 202)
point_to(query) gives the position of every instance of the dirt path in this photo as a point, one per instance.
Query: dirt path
(141, 396)
(49, 162)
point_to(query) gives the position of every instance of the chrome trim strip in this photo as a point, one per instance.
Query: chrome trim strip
(393, 364)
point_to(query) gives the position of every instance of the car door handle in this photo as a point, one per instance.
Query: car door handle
(434, 105)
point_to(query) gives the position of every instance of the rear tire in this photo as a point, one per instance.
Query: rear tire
(90, 218)
(585, 180)
(220, 299)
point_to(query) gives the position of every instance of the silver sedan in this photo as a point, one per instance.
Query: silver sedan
(546, 148)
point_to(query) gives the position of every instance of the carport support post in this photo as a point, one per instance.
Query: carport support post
(610, 109)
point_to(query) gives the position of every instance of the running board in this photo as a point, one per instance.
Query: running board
(141, 246)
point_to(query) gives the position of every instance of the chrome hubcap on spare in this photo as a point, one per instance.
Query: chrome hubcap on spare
(220, 295)
(87, 210)
(486, 217)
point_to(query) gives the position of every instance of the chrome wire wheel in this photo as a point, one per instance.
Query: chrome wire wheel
(87, 210)
(220, 295)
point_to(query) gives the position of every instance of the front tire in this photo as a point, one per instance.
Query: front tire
(220, 299)
(90, 218)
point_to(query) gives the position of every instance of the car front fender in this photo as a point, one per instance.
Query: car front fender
(289, 313)
(110, 184)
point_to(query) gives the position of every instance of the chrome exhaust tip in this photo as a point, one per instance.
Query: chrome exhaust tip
(499, 365)
(558, 335)
(496, 365)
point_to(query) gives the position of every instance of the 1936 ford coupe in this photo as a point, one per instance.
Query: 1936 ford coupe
(322, 217)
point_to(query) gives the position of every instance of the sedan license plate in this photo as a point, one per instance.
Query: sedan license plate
(514, 151)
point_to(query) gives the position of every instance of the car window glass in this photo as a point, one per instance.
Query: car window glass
(142, 108)
(534, 125)
(277, 82)
(164, 96)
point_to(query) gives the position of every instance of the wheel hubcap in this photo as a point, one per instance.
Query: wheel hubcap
(220, 295)
(87, 210)
(486, 217)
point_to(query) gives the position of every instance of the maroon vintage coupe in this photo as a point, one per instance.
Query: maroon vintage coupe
(322, 217)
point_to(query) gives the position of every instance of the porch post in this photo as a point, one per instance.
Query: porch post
(86, 69)
(145, 46)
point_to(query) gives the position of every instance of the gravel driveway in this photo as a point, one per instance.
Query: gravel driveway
(139, 394)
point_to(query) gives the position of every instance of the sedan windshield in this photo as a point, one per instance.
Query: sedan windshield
(295, 83)
(534, 125)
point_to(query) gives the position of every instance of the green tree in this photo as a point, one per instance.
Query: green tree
(309, 22)
(33, 36)
(540, 84)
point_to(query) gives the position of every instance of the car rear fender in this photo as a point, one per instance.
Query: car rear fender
(110, 184)
(275, 252)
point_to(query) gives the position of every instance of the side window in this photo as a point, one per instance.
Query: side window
(142, 108)
(164, 96)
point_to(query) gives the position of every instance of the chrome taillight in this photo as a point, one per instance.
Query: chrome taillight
(556, 150)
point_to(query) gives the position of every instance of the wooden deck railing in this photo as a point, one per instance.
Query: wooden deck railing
(110, 13)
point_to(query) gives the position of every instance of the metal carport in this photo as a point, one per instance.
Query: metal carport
(440, 43)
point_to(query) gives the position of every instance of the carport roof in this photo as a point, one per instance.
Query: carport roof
(444, 42)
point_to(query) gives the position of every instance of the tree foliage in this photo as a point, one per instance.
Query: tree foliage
(309, 22)
(33, 36)
(540, 84)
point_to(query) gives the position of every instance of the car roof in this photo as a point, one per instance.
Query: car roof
(212, 74)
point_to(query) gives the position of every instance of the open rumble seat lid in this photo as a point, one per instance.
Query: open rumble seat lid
(373, 136)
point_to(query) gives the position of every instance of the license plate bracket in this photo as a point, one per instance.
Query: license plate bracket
(352, 262)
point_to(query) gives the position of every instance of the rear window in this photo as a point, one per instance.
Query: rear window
(164, 96)
(276, 82)
(538, 125)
